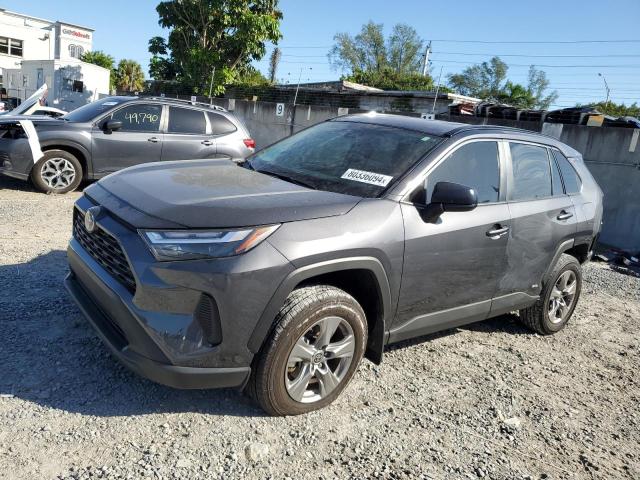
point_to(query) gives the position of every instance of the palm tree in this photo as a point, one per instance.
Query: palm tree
(129, 76)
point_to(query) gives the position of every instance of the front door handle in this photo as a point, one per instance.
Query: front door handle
(564, 215)
(208, 143)
(153, 139)
(497, 231)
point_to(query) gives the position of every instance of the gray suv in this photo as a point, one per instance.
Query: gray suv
(114, 133)
(279, 275)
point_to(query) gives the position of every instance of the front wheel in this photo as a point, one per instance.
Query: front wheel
(313, 352)
(558, 300)
(57, 172)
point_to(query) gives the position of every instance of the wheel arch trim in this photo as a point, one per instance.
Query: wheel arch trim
(61, 144)
(562, 248)
(266, 321)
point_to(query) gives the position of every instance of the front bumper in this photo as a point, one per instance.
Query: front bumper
(155, 328)
(15, 158)
(171, 375)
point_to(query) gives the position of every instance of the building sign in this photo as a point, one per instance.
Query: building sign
(76, 33)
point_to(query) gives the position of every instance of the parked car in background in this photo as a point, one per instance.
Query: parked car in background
(355, 233)
(118, 132)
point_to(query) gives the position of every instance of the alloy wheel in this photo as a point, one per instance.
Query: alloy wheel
(58, 173)
(320, 360)
(562, 296)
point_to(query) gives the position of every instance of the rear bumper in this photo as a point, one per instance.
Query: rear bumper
(81, 279)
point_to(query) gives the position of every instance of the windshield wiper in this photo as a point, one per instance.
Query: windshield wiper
(286, 178)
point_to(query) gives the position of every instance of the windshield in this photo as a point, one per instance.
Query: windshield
(345, 157)
(88, 112)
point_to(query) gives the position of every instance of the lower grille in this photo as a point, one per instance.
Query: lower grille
(105, 250)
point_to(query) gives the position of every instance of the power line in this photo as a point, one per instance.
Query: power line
(495, 42)
(545, 66)
(532, 56)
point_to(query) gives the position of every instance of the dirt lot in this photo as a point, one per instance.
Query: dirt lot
(490, 400)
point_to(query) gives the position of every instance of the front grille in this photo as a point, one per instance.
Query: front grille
(105, 250)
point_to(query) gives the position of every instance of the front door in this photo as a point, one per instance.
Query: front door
(186, 137)
(452, 267)
(138, 141)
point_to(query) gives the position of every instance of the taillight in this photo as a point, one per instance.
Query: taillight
(250, 142)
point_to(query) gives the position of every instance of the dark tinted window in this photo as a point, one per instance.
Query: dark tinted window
(184, 120)
(556, 181)
(531, 172)
(139, 117)
(220, 125)
(475, 165)
(345, 157)
(572, 182)
(92, 110)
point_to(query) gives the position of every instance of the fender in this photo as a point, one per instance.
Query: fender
(377, 337)
(564, 246)
(47, 144)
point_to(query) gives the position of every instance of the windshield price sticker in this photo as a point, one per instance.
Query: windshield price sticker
(367, 177)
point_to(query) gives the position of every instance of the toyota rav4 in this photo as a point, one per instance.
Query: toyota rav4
(279, 275)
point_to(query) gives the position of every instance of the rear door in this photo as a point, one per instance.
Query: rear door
(138, 141)
(542, 216)
(188, 135)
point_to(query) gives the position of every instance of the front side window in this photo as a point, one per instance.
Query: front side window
(531, 172)
(572, 182)
(345, 157)
(185, 120)
(139, 118)
(475, 165)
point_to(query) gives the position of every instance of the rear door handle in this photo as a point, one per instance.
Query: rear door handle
(208, 143)
(564, 215)
(153, 139)
(497, 232)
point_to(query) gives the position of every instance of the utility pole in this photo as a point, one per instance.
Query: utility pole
(433, 109)
(425, 59)
(213, 72)
(295, 98)
(606, 86)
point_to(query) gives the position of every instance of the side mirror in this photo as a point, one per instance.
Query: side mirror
(112, 125)
(450, 197)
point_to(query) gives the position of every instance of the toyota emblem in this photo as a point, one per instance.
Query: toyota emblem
(90, 218)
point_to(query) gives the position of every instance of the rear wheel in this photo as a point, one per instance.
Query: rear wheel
(559, 297)
(57, 172)
(313, 352)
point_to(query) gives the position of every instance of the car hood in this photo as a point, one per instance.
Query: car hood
(210, 194)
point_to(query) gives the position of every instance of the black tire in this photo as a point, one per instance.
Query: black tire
(537, 317)
(40, 169)
(301, 312)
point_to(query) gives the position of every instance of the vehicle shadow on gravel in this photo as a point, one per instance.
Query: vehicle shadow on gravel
(51, 356)
(508, 323)
(15, 184)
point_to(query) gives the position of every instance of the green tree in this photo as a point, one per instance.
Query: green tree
(212, 35)
(249, 76)
(369, 51)
(389, 79)
(488, 80)
(484, 80)
(617, 109)
(129, 76)
(274, 60)
(161, 66)
(102, 59)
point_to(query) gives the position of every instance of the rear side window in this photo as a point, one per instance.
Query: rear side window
(184, 120)
(220, 125)
(475, 165)
(572, 182)
(139, 117)
(531, 172)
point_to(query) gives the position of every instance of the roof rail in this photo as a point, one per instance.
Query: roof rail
(188, 102)
(467, 128)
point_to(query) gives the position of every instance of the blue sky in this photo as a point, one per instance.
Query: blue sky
(123, 29)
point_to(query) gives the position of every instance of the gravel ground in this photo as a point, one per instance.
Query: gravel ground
(490, 400)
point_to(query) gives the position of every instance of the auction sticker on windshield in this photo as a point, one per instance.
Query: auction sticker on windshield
(367, 177)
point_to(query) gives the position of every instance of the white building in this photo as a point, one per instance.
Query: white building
(34, 51)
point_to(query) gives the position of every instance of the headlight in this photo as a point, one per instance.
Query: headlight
(193, 244)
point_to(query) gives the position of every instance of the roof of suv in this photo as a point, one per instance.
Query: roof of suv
(168, 100)
(448, 129)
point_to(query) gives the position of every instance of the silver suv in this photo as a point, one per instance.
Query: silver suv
(114, 133)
